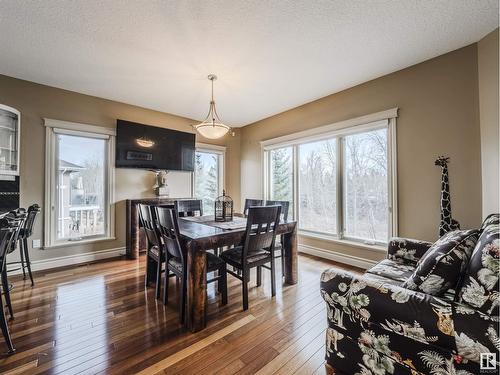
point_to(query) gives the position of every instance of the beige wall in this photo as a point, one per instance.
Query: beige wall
(438, 115)
(36, 102)
(488, 116)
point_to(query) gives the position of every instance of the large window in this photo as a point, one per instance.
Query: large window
(281, 176)
(318, 186)
(208, 176)
(340, 182)
(79, 177)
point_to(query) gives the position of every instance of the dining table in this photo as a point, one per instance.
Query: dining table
(201, 233)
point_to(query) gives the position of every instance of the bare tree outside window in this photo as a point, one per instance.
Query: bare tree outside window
(366, 184)
(318, 187)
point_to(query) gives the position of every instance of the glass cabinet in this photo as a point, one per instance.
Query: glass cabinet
(10, 127)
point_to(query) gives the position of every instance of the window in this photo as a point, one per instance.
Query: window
(365, 186)
(339, 179)
(318, 186)
(208, 175)
(281, 176)
(79, 174)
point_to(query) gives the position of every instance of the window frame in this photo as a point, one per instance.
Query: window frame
(384, 119)
(52, 129)
(220, 151)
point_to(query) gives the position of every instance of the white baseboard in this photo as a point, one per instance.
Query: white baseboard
(337, 257)
(69, 260)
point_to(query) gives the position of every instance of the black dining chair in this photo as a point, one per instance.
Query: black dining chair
(251, 203)
(189, 207)
(26, 232)
(175, 258)
(7, 240)
(155, 256)
(15, 221)
(257, 249)
(279, 245)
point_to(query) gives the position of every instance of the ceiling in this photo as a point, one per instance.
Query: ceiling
(270, 56)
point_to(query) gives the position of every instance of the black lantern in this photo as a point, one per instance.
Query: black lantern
(224, 207)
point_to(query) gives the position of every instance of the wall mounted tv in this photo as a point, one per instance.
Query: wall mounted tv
(151, 147)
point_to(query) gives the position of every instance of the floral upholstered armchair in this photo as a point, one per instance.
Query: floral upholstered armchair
(426, 309)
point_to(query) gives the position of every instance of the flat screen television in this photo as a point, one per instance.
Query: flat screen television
(151, 147)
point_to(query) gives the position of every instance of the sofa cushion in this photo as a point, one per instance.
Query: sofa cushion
(480, 286)
(394, 270)
(441, 266)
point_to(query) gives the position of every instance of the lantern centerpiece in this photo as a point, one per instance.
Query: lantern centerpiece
(224, 207)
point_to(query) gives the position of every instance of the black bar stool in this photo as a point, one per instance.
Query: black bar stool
(7, 241)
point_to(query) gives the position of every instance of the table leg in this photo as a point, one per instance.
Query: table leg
(291, 257)
(196, 298)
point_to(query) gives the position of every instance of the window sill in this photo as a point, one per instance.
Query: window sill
(76, 243)
(359, 245)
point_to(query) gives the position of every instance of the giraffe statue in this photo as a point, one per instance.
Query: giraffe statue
(447, 223)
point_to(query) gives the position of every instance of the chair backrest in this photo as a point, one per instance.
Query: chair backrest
(13, 223)
(146, 221)
(251, 203)
(285, 205)
(189, 207)
(260, 234)
(7, 235)
(168, 228)
(29, 222)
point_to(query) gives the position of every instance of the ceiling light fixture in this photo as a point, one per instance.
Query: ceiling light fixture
(212, 127)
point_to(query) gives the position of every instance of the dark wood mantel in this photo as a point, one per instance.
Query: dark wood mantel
(136, 242)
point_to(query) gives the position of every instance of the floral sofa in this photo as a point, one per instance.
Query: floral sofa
(378, 325)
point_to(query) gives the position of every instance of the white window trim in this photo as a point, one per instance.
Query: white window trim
(52, 127)
(212, 149)
(368, 122)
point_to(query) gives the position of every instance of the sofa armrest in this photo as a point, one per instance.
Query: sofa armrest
(407, 250)
(475, 332)
(356, 301)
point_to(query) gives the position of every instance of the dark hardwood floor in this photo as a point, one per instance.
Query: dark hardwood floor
(99, 319)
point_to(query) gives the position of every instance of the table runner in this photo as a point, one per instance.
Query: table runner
(237, 223)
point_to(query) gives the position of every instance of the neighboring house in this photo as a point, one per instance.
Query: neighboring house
(79, 211)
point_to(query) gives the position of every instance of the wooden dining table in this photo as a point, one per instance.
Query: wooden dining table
(200, 234)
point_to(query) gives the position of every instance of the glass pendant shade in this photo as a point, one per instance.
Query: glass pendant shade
(212, 127)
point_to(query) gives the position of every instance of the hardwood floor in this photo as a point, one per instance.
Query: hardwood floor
(99, 319)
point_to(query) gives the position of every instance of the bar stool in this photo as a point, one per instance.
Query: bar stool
(25, 233)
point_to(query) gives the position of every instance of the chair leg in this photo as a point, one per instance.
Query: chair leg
(259, 276)
(165, 286)
(28, 261)
(6, 292)
(158, 279)
(244, 283)
(5, 329)
(273, 278)
(223, 282)
(21, 251)
(282, 261)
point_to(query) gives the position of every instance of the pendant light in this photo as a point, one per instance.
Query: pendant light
(212, 127)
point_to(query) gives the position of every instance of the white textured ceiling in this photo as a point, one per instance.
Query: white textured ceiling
(269, 55)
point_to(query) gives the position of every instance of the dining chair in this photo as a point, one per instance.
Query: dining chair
(257, 249)
(175, 255)
(155, 255)
(189, 207)
(7, 237)
(15, 221)
(279, 245)
(26, 232)
(250, 203)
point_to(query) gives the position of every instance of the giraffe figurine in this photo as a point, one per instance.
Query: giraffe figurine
(447, 223)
